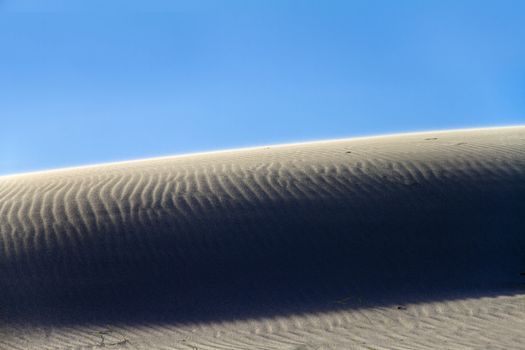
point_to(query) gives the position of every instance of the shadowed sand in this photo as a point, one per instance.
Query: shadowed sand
(413, 241)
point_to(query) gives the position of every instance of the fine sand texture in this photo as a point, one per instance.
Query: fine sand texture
(413, 241)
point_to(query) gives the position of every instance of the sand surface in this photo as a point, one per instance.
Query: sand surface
(413, 241)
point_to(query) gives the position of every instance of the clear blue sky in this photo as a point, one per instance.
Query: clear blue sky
(95, 81)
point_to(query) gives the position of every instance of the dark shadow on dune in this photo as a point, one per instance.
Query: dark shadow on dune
(413, 243)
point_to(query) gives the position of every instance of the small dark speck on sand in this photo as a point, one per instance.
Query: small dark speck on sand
(431, 138)
(348, 152)
(401, 307)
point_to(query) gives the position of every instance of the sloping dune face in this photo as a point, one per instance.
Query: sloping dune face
(385, 241)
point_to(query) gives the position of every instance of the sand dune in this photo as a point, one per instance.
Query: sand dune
(412, 241)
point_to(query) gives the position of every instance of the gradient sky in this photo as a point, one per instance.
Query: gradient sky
(95, 81)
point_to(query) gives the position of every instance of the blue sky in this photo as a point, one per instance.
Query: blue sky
(96, 81)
